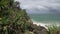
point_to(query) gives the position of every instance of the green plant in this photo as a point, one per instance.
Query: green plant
(12, 17)
(53, 29)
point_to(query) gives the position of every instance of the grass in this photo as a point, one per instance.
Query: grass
(53, 29)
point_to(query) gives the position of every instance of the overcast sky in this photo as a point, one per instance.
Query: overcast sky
(40, 6)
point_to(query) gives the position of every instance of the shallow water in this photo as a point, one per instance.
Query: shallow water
(46, 18)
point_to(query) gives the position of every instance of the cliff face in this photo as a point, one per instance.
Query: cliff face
(14, 20)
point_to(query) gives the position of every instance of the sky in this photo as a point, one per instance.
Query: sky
(40, 6)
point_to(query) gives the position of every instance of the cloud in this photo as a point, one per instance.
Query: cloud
(41, 6)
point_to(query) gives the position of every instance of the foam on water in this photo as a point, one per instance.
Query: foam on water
(43, 24)
(39, 23)
(45, 19)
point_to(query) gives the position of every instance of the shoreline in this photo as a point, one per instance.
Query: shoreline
(43, 24)
(40, 24)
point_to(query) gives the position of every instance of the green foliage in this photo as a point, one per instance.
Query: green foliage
(12, 18)
(53, 29)
(28, 32)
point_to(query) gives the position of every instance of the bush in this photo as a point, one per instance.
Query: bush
(53, 29)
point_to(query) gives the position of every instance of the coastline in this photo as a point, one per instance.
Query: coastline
(44, 24)
(40, 24)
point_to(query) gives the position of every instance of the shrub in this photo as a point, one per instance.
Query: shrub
(53, 29)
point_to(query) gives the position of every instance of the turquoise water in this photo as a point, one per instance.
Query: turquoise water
(46, 18)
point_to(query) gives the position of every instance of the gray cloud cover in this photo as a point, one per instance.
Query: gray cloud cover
(41, 6)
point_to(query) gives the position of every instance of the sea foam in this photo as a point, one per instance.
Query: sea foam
(39, 23)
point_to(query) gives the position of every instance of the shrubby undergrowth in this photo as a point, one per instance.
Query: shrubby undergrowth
(14, 20)
(53, 29)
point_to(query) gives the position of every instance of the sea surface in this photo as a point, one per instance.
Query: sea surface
(47, 19)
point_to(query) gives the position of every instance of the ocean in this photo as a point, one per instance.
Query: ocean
(47, 19)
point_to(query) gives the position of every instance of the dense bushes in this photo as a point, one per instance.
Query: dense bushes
(12, 17)
(14, 20)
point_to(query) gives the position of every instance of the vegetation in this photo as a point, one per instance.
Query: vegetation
(53, 29)
(14, 20)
